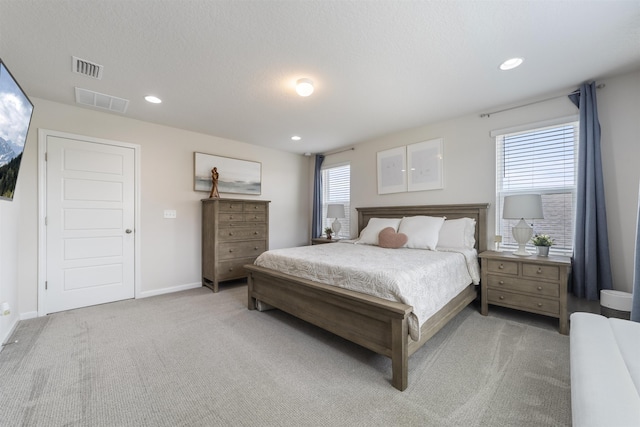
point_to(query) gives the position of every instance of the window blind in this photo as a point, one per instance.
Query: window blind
(543, 161)
(336, 188)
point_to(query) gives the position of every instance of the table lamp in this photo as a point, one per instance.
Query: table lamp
(335, 211)
(520, 207)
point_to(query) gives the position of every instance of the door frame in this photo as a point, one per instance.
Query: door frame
(42, 207)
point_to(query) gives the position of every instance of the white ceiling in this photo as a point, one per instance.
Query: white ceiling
(227, 67)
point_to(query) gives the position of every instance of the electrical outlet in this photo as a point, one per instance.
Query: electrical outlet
(170, 213)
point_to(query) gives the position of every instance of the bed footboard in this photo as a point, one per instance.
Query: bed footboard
(374, 323)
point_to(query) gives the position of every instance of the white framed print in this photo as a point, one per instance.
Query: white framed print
(392, 170)
(425, 160)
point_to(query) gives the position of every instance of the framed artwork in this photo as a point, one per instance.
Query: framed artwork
(392, 170)
(425, 160)
(235, 175)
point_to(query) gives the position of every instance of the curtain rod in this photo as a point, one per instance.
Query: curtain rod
(339, 151)
(600, 86)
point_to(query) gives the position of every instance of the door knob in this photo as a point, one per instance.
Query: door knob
(128, 231)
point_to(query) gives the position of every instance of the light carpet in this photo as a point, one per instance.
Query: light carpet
(195, 358)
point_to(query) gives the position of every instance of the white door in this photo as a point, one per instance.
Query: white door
(90, 217)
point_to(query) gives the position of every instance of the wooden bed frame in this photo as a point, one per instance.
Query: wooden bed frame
(375, 323)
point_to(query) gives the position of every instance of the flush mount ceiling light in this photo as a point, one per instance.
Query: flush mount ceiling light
(153, 99)
(296, 138)
(510, 64)
(304, 87)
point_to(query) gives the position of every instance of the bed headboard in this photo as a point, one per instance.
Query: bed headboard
(477, 211)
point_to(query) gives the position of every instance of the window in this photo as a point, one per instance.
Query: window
(539, 160)
(336, 188)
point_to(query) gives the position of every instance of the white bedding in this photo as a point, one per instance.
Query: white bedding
(423, 279)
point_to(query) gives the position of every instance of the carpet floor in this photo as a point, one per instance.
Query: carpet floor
(195, 358)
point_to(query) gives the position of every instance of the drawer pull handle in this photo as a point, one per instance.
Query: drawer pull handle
(539, 304)
(255, 217)
(230, 250)
(539, 270)
(255, 232)
(501, 267)
(255, 207)
(230, 234)
(501, 282)
(230, 216)
(230, 268)
(501, 297)
(539, 288)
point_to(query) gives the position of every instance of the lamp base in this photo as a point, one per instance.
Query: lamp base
(336, 226)
(522, 233)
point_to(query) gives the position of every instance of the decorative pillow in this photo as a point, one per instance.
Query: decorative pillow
(458, 233)
(422, 231)
(369, 235)
(388, 238)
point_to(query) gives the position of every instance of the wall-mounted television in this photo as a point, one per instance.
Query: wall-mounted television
(15, 117)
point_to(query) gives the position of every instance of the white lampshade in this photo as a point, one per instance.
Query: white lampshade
(522, 206)
(335, 211)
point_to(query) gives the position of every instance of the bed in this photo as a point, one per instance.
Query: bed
(375, 323)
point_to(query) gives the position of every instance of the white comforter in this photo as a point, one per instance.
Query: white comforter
(423, 279)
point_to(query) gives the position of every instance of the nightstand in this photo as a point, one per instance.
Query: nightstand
(323, 240)
(535, 284)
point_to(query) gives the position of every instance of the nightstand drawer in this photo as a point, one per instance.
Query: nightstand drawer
(524, 302)
(547, 272)
(502, 267)
(519, 285)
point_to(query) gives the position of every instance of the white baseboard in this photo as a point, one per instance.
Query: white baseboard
(146, 294)
(28, 315)
(9, 333)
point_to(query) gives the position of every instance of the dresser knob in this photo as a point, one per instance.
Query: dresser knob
(501, 297)
(539, 304)
(501, 282)
(501, 267)
(230, 234)
(230, 268)
(539, 288)
(230, 216)
(539, 270)
(255, 249)
(230, 250)
(255, 232)
(255, 207)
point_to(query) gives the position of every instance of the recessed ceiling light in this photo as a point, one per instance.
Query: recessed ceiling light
(304, 87)
(510, 64)
(296, 138)
(153, 99)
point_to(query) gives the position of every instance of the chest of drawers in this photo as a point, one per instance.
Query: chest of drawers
(535, 284)
(234, 233)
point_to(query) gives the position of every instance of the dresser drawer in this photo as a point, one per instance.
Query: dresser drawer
(247, 232)
(230, 250)
(233, 269)
(546, 272)
(502, 267)
(520, 285)
(524, 302)
(230, 206)
(255, 207)
(255, 217)
(231, 217)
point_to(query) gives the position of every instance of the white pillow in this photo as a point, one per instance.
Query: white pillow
(422, 231)
(369, 235)
(458, 233)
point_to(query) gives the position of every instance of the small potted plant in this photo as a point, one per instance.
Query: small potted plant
(542, 243)
(328, 231)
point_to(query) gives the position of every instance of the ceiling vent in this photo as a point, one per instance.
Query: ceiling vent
(100, 100)
(86, 68)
